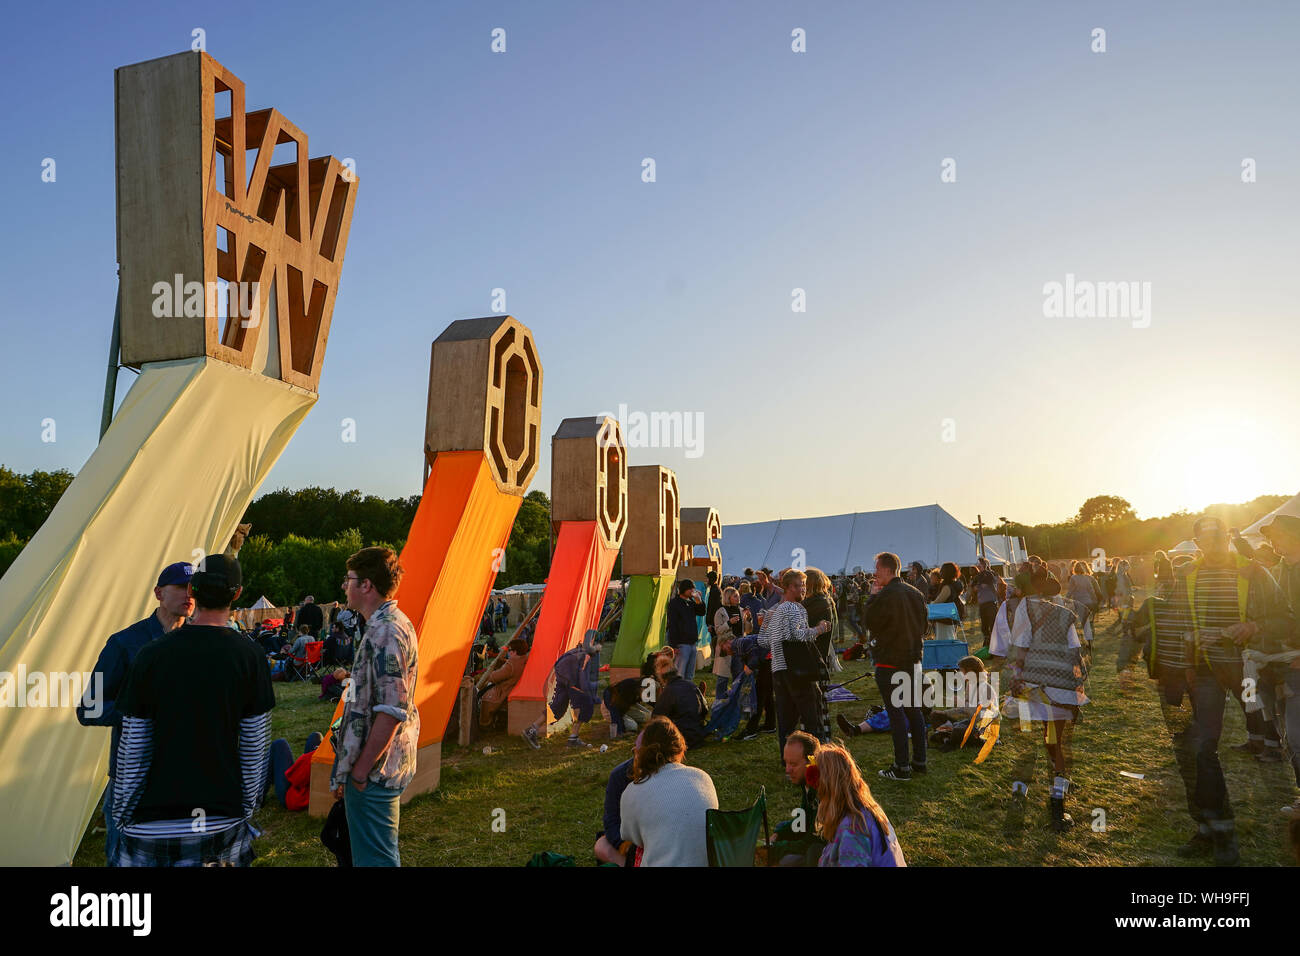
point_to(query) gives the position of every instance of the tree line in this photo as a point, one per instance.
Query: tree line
(1109, 522)
(301, 538)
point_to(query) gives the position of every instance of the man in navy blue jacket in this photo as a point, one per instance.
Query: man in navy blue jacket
(99, 707)
(683, 627)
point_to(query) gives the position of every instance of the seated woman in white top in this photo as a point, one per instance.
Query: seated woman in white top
(663, 808)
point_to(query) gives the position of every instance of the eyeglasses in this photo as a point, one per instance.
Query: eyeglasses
(349, 581)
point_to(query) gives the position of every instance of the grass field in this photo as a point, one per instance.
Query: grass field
(958, 814)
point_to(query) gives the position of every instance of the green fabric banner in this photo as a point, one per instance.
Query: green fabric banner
(641, 629)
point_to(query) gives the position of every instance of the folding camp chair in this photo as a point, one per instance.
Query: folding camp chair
(303, 666)
(731, 835)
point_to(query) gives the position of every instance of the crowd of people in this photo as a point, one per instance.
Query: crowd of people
(1217, 624)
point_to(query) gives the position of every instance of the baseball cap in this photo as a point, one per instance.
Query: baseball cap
(1289, 524)
(1207, 524)
(220, 570)
(178, 573)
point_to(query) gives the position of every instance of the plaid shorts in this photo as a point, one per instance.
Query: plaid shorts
(230, 847)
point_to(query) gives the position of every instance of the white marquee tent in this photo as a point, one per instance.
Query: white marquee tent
(838, 543)
(1291, 507)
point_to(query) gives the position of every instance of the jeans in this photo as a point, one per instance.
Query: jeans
(798, 701)
(988, 615)
(279, 759)
(372, 823)
(615, 715)
(764, 706)
(685, 660)
(1282, 712)
(903, 721)
(1208, 701)
(112, 836)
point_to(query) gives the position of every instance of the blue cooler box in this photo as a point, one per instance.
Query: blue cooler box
(942, 655)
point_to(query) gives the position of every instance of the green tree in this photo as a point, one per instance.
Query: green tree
(1105, 509)
(27, 500)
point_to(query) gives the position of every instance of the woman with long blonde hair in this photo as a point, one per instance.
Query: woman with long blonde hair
(853, 824)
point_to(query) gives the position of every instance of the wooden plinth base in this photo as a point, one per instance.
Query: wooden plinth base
(428, 768)
(522, 714)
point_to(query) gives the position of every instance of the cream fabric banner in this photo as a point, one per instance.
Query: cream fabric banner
(190, 445)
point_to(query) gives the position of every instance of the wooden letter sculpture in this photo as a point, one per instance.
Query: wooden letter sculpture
(482, 448)
(651, 553)
(589, 519)
(701, 528)
(203, 212)
(216, 402)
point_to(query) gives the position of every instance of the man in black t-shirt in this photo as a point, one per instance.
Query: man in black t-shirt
(191, 762)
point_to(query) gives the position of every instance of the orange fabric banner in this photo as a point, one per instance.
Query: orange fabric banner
(450, 564)
(571, 603)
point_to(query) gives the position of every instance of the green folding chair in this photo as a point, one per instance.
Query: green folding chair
(732, 835)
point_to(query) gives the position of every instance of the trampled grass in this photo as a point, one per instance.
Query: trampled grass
(958, 814)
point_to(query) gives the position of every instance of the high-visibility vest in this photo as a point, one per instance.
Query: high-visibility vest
(1243, 592)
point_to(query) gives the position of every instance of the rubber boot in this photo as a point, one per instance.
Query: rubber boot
(1223, 833)
(1201, 844)
(1061, 821)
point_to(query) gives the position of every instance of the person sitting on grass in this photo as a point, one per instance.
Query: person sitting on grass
(332, 684)
(854, 825)
(338, 646)
(663, 810)
(971, 692)
(627, 700)
(795, 842)
(299, 645)
(680, 700)
(974, 695)
(575, 674)
(501, 680)
(290, 778)
(610, 846)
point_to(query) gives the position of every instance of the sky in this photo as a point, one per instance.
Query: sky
(925, 366)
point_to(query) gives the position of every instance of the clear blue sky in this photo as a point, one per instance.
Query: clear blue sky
(775, 170)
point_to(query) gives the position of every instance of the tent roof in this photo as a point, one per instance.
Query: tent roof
(1291, 507)
(1184, 547)
(262, 604)
(838, 543)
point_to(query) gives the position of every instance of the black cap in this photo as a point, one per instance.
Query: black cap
(219, 570)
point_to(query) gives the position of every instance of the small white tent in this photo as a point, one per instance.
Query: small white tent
(262, 604)
(1184, 547)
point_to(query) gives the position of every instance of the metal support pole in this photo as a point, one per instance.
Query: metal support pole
(114, 354)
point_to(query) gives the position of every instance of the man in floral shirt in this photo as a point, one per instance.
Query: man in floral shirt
(375, 746)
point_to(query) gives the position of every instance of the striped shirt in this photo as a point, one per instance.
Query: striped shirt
(1217, 597)
(1217, 607)
(135, 756)
(788, 621)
